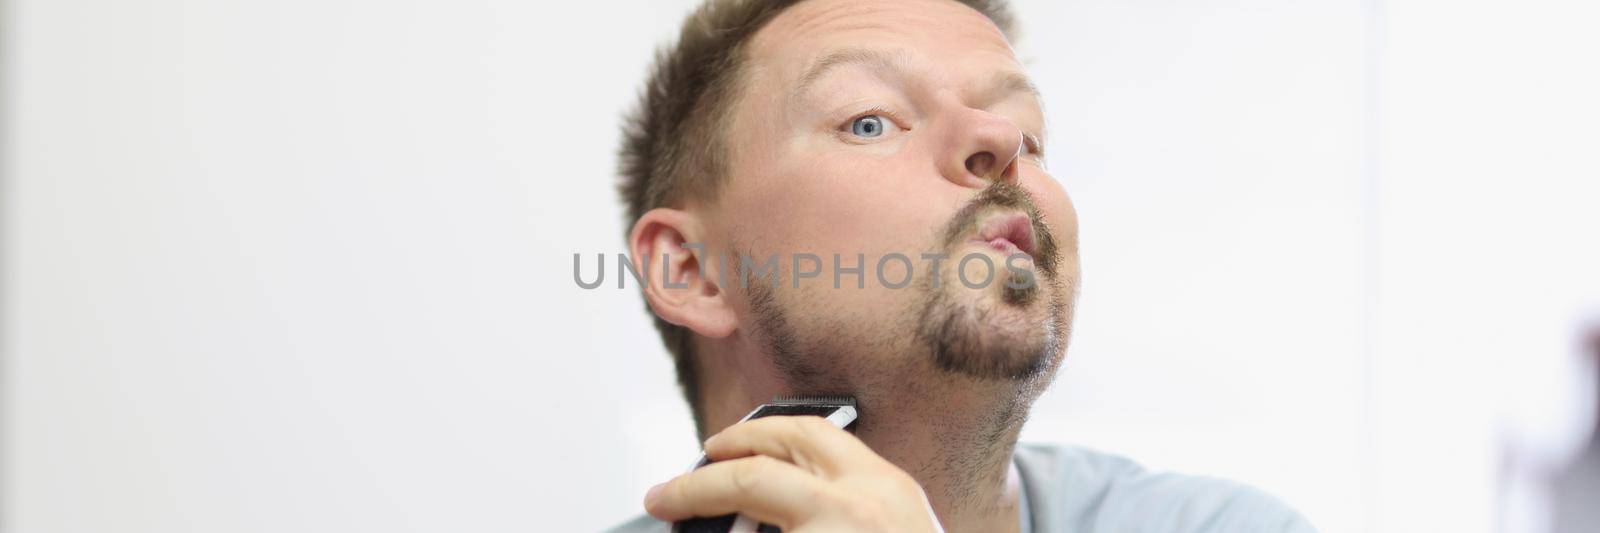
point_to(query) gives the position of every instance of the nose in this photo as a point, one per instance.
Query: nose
(986, 149)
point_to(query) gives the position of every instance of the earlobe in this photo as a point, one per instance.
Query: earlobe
(681, 288)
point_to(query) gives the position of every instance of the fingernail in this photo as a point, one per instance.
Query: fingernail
(650, 495)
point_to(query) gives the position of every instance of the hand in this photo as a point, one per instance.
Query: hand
(799, 473)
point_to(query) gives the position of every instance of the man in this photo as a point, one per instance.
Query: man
(895, 141)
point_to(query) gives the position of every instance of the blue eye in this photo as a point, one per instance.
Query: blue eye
(868, 126)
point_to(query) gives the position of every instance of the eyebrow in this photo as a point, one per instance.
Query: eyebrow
(1009, 81)
(848, 56)
(1012, 81)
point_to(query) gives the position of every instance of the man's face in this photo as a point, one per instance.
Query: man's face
(884, 127)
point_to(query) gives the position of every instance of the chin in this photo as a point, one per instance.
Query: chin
(992, 333)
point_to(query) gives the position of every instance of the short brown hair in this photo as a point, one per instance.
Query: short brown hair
(669, 146)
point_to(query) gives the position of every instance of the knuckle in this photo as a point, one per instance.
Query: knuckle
(748, 475)
(821, 494)
(905, 482)
(866, 512)
(909, 486)
(681, 488)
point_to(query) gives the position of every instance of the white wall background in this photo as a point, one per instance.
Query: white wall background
(306, 265)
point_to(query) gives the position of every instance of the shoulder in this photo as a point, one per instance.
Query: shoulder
(641, 524)
(1070, 488)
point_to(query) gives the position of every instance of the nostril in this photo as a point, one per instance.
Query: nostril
(981, 164)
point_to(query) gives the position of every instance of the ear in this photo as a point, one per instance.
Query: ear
(685, 293)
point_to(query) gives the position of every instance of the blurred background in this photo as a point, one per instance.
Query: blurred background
(306, 265)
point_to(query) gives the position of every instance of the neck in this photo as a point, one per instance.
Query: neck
(958, 448)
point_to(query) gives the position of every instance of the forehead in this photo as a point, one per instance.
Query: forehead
(920, 30)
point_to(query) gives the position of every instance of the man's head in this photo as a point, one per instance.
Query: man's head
(859, 130)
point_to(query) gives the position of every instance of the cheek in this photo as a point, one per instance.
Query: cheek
(1052, 200)
(846, 204)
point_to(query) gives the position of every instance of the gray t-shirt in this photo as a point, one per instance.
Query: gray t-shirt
(1073, 489)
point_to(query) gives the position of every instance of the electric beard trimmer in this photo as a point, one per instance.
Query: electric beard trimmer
(839, 410)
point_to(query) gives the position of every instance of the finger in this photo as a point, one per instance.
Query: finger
(763, 488)
(810, 442)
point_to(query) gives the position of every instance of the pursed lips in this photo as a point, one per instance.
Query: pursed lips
(1008, 233)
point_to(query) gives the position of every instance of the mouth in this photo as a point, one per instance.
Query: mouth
(1008, 234)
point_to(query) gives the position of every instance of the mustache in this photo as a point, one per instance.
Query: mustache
(1005, 195)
